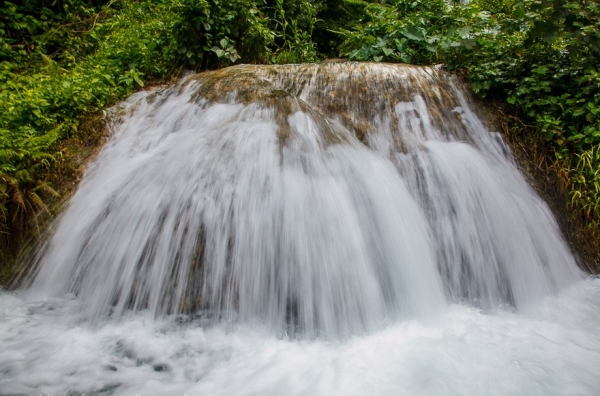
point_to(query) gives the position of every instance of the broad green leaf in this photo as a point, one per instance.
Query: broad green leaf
(363, 53)
(401, 44)
(414, 33)
(138, 80)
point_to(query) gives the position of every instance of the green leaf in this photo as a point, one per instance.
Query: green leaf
(381, 42)
(137, 79)
(233, 57)
(387, 51)
(401, 44)
(220, 53)
(414, 33)
(363, 53)
(464, 32)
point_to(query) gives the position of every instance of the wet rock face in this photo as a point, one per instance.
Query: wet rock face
(320, 200)
(235, 84)
(361, 97)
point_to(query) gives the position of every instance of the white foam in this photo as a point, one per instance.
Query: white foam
(48, 349)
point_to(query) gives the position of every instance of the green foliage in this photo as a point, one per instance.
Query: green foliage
(28, 26)
(293, 23)
(226, 51)
(57, 66)
(335, 16)
(586, 183)
(421, 32)
(213, 33)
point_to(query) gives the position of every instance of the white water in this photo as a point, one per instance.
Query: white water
(555, 350)
(359, 232)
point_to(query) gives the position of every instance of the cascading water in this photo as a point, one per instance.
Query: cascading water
(321, 210)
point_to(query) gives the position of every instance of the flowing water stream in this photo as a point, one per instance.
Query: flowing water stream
(329, 229)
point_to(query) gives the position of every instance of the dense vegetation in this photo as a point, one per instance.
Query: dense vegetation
(62, 62)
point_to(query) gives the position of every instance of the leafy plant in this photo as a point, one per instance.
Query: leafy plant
(226, 51)
(293, 24)
(103, 54)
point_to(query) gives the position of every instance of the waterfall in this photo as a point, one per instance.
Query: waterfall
(330, 229)
(319, 200)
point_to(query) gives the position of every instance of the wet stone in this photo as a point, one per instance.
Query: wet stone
(160, 368)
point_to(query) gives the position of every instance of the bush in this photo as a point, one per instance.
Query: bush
(48, 86)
